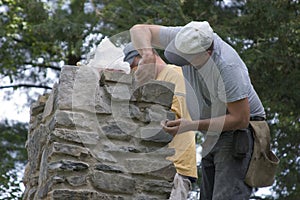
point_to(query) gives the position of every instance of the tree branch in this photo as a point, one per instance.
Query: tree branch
(256, 197)
(43, 66)
(26, 85)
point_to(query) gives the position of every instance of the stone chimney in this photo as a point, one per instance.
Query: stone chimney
(96, 136)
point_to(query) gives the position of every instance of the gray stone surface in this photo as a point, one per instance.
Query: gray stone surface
(158, 92)
(66, 194)
(155, 134)
(111, 76)
(118, 183)
(49, 106)
(69, 135)
(67, 165)
(67, 149)
(92, 138)
(118, 92)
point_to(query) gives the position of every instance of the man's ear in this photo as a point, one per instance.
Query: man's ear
(209, 52)
(133, 69)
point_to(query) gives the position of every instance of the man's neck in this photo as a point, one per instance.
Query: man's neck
(199, 63)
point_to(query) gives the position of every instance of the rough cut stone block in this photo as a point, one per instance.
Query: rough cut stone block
(73, 150)
(65, 89)
(66, 194)
(63, 118)
(168, 172)
(43, 190)
(148, 165)
(111, 147)
(38, 106)
(118, 92)
(79, 90)
(35, 121)
(155, 134)
(102, 156)
(113, 131)
(156, 186)
(158, 152)
(159, 92)
(108, 168)
(115, 76)
(68, 165)
(77, 180)
(136, 113)
(120, 127)
(121, 109)
(78, 120)
(147, 197)
(83, 137)
(87, 94)
(35, 144)
(113, 182)
(31, 193)
(49, 107)
(157, 113)
(46, 186)
(96, 102)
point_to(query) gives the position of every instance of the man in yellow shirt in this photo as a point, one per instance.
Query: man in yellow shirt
(184, 158)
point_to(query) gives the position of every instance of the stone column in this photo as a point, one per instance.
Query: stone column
(96, 136)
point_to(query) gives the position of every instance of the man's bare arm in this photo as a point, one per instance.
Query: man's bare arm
(237, 118)
(144, 36)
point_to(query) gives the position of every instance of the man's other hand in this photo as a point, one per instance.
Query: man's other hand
(146, 70)
(178, 126)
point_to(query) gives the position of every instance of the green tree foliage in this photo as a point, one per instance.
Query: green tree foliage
(40, 35)
(118, 15)
(13, 153)
(272, 32)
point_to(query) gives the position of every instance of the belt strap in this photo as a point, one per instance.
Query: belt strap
(257, 118)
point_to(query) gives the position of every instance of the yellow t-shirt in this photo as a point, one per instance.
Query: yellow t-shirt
(184, 158)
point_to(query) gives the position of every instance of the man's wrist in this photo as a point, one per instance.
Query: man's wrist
(147, 52)
(196, 125)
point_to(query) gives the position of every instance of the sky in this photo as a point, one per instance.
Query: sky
(13, 109)
(16, 108)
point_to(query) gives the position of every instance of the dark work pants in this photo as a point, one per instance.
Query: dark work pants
(222, 173)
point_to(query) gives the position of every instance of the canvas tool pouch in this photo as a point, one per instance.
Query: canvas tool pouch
(263, 163)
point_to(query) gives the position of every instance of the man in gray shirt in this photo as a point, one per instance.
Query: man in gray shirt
(220, 98)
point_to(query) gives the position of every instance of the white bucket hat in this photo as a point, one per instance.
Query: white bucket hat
(193, 38)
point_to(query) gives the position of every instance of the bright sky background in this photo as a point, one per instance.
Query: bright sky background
(12, 109)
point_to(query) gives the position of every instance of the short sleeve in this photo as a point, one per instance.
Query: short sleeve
(233, 84)
(167, 34)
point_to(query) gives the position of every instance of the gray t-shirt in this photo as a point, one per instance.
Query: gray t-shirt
(223, 79)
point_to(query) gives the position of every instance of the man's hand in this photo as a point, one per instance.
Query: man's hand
(178, 126)
(146, 70)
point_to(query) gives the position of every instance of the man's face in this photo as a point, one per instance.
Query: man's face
(199, 60)
(135, 63)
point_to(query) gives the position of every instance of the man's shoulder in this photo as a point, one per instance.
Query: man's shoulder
(171, 73)
(175, 72)
(174, 68)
